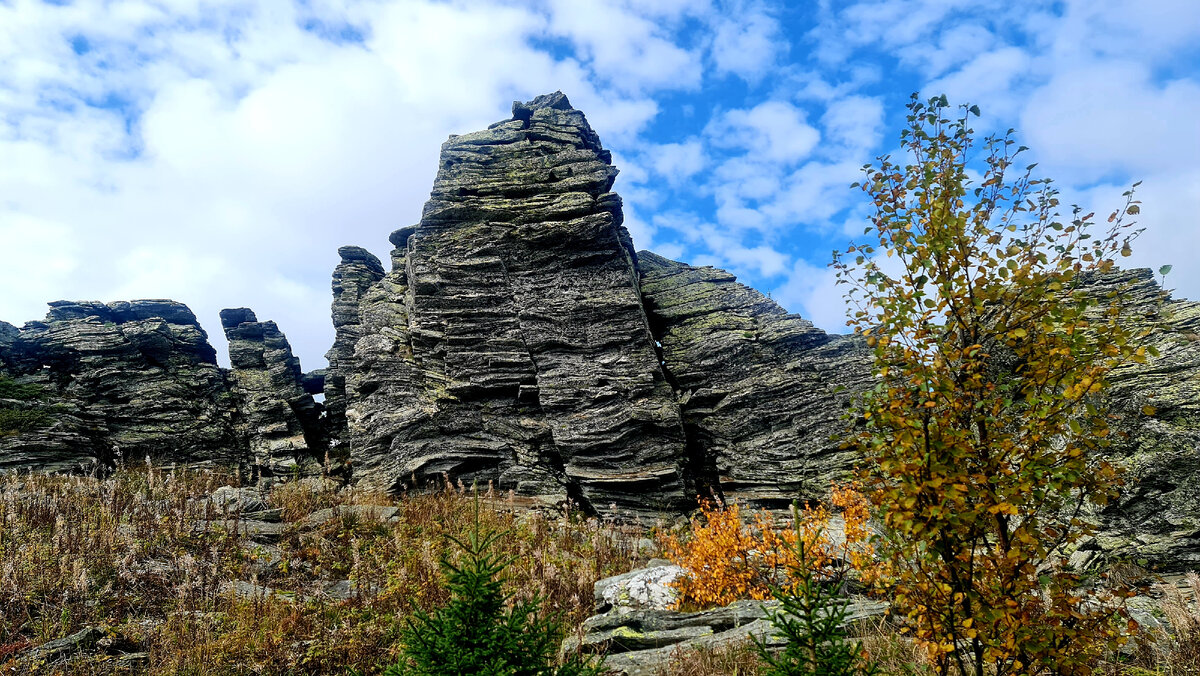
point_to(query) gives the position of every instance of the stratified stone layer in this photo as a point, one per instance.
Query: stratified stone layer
(1157, 409)
(124, 380)
(765, 394)
(278, 421)
(357, 272)
(509, 343)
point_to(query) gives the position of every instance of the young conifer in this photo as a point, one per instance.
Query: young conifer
(476, 632)
(812, 617)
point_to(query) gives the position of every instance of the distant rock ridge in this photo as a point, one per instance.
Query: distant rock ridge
(515, 337)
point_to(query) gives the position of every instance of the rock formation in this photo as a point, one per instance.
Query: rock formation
(358, 271)
(1158, 406)
(516, 337)
(124, 380)
(764, 394)
(277, 418)
(508, 342)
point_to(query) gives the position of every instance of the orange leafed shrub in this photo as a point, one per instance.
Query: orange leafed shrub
(727, 557)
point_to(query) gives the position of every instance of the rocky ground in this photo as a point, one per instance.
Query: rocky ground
(155, 571)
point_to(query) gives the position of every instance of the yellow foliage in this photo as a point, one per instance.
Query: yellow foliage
(728, 557)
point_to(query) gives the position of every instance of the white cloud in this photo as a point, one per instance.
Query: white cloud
(629, 51)
(953, 46)
(1146, 29)
(677, 162)
(1169, 204)
(37, 254)
(1091, 118)
(815, 192)
(264, 147)
(748, 45)
(774, 131)
(988, 81)
(855, 123)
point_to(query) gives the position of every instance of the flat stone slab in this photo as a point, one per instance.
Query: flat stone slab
(641, 642)
(378, 513)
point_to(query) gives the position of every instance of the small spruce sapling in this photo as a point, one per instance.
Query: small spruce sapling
(812, 618)
(474, 633)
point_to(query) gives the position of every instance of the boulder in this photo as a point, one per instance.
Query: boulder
(645, 588)
(639, 633)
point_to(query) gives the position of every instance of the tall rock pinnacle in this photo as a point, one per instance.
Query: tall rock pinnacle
(509, 341)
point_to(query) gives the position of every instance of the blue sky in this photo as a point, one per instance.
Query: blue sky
(218, 152)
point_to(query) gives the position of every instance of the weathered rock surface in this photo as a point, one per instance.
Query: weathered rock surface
(1157, 518)
(508, 342)
(519, 339)
(9, 335)
(639, 632)
(764, 393)
(277, 418)
(357, 272)
(126, 379)
(648, 587)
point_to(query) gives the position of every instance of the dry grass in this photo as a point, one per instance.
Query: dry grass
(142, 555)
(889, 650)
(1175, 652)
(734, 659)
(136, 554)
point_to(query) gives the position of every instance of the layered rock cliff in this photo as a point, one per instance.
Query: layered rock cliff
(122, 380)
(1157, 404)
(516, 337)
(277, 419)
(763, 393)
(508, 342)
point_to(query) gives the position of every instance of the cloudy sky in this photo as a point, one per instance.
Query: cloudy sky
(219, 151)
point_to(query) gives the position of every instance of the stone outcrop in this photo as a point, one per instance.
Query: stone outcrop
(357, 272)
(127, 379)
(277, 418)
(1157, 518)
(638, 630)
(508, 342)
(9, 335)
(764, 394)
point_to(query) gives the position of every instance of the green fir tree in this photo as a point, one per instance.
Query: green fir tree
(476, 632)
(812, 618)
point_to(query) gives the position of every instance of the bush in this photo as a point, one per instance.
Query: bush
(812, 618)
(986, 427)
(18, 420)
(726, 559)
(11, 389)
